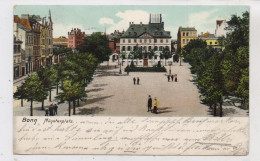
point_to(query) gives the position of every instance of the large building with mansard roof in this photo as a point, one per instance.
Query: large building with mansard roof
(146, 36)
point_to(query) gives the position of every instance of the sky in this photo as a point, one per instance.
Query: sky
(109, 18)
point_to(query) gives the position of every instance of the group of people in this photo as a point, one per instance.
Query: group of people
(150, 103)
(137, 81)
(52, 110)
(172, 77)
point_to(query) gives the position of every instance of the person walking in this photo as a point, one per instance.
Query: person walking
(138, 80)
(156, 103)
(172, 77)
(150, 103)
(46, 111)
(134, 80)
(55, 109)
(175, 78)
(168, 78)
(51, 110)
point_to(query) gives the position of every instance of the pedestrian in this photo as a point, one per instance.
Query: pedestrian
(55, 109)
(46, 111)
(168, 78)
(51, 110)
(155, 108)
(172, 77)
(134, 80)
(138, 80)
(150, 103)
(175, 78)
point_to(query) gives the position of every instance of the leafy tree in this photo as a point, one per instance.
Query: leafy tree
(71, 91)
(31, 90)
(236, 56)
(166, 54)
(97, 44)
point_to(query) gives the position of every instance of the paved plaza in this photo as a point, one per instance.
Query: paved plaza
(113, 95)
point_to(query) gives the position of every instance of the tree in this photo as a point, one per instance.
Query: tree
(71, 91)
(31, 90)
(236, 56)
(166, 54)
(97, 44)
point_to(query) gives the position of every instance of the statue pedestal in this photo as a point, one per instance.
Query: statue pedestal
(145, 62)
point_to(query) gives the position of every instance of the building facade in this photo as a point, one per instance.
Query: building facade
(146, 37)
(114, 44)
(185, 34)
(75, 38)
(35, 25)
(23, 32)
(17, 57)
(211, 40)
(221, 30)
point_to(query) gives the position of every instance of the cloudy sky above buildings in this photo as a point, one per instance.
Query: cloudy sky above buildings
(100, 18)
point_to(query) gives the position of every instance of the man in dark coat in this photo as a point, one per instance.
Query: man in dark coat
(55, 109)
(176, 78)
(168, 78)
(134, 80)
(150, 103)
(172, 77)
(51, 109)
(138, 80)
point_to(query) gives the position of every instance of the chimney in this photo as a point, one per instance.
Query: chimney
(129, 23)
(201, 33)
(141, 23)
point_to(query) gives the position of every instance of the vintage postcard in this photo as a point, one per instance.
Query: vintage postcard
(131, 80)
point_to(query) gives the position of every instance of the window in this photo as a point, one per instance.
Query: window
(129, 40)
(145, 48)
(210, 43)
(123, 48)
(145, 40)
(161, 41)
(123, 40)
(194, 33)
(134, 40)
(187, 33)
(150, 48)
(187, 41)
(183, 41)
(155, 48)
(140, 40)
(183, 34)
(161, 48)
(150, 41)
(155, 40)
(167, 41)
(135, 48)
(129, 48)
(216, 43)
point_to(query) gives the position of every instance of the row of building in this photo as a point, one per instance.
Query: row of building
(33, 43)
(151, 36)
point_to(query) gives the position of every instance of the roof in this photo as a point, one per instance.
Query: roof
(155, 30)
(204, 35)
(23, 22)
(207, 36)
(59, 39)
(187, 29)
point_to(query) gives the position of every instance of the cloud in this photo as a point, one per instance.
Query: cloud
(105, 20)
(203, 21)
(62, 30)
(125, 17)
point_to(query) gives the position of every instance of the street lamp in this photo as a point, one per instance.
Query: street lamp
(170, 71)
(120, 71)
